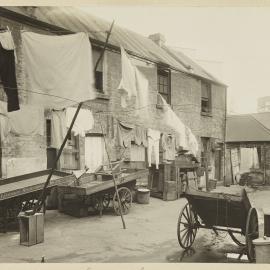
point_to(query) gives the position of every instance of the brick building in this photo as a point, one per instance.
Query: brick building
(197, 97)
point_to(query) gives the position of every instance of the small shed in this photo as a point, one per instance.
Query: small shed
(248, 148)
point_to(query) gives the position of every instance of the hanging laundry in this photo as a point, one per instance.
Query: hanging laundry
(192, 142)
(6, 40)
(248, 159)
(29, 120)
(140, 136)
(60, 68)
(168, 146)
(7, 71)
(125, 134)
(84, 121)
(137, 153)
(142, 86)
(58, 128)
(173, 121)
(127, 84)
(153, 146)
(4, 128)
(255, 158)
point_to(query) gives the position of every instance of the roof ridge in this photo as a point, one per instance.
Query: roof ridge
(174, 52)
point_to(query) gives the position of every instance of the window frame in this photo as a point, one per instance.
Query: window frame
(207, 108)
(164, 73)
(98, 74)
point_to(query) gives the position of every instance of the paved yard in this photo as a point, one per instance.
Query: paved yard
(150, 237)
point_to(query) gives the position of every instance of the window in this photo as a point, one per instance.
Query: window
(164, 84)
(206, 97)
(99, 71)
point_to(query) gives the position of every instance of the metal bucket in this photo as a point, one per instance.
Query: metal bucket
(143, 195)
(262, 250)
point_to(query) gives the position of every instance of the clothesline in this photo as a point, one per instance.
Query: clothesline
(68, 31)
(136, 109)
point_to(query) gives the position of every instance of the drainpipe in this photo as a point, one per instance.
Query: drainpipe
(264, 164)
(224, 151)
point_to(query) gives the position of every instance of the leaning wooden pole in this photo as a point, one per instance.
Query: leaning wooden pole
(114, 181)
(105, 46)
(42, 197)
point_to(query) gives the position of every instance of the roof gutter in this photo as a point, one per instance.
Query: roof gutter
(21, 18)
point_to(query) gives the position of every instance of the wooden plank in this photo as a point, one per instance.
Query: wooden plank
(30, 175)
(20, 188)
(192, 194)
(97, 186)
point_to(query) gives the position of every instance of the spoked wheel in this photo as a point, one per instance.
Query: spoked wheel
(187, 227)
(106, 201)
(125, 198)
(97, 203)
(252, 232)
(28, 205)
(237, 240)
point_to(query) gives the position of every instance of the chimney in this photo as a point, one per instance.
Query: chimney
(158, 38)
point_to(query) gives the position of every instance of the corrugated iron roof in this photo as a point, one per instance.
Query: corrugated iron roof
(77, 20)
(197, 69)
(248, 128)
(263, 118)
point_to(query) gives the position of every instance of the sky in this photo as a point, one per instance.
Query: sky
(232, 43)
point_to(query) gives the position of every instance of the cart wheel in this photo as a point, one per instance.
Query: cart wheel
(28, 205)
(187, 227)
(97, 204)
(252, 232)
(236, 240)
(125, 197)
(106, 201)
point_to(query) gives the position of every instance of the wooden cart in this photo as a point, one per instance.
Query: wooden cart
(21, 192)
(98, 193)
(219, 212)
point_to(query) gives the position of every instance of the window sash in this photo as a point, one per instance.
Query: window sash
(164, 84)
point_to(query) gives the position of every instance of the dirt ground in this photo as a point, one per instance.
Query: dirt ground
(150, 236)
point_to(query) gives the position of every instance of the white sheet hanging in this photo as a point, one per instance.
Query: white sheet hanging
(84, 121)
(127, 84)
(248, 159)
(60, 66)
(29, 120)
(173, 121)
(186, 138)
(153, 146)
(142, 86)
(59, 128)
(94, 152)
(6, 40)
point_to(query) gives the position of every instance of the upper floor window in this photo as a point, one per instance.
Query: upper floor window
(205, 97)
(99, 70)
(164, 84)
